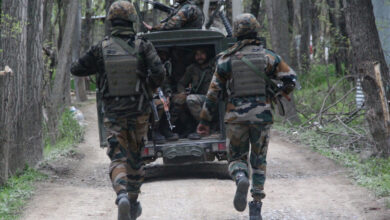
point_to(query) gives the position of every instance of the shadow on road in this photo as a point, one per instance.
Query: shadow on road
(158, 172)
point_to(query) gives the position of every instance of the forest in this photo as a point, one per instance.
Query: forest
(340, 50)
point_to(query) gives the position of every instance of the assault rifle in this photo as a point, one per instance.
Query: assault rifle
(162, 7)
(166, 107)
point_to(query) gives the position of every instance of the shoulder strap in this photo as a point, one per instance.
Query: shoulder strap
(200, 81)
(124, 45)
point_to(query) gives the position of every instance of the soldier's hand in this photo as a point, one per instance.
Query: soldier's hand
(203, 130)
(147, 26)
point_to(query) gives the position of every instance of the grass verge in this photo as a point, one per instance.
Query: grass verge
(18, 189)
(70, 133)
(15, 193)
(372, 173)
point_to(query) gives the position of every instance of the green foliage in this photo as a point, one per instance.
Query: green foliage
(10, 27)
(15, 193)
(70, 133)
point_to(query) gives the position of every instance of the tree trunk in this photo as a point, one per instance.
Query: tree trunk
(278, 15)
(108, 24)
(255, 7)
(278, 20)
(20, 97)
(60, 92)
(79, 82)
(367, 51)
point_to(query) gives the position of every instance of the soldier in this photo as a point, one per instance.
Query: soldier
(196, 79)
(121, 63)
(162, 130)
(244, 72)
(186, 16)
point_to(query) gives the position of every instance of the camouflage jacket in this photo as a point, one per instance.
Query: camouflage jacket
(252, 109)
(186, 16)
(92, 63)
(193, 76)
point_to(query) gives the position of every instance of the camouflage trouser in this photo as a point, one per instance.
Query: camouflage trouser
(127, 136)
(238, 138)
(195, 103)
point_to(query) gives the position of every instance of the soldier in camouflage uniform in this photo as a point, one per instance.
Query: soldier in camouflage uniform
(186, 16)
(248, 113)
(196, 79)
(121, 63)
(162, 130)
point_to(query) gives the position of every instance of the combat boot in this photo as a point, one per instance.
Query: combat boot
(240, 198)
(135, 210)
(255, 210)
(123, 207)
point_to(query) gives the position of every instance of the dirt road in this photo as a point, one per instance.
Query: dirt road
(300, 185)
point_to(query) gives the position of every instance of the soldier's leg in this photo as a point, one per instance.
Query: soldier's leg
(135, 173)
(238, 150)
(259, 138)
(195, 103)
(117, 152)
(136, 139)
(181, 116)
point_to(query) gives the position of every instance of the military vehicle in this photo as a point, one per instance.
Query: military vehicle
(182, 43)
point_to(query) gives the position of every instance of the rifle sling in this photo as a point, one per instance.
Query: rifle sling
(200, 81)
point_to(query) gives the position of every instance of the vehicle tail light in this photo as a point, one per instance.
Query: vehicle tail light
(221, 146)
(146, 151)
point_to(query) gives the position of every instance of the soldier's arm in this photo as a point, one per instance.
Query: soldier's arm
(218, 84)
(88, 63)
(280, 70)
(149, 60)
(178, 20)
(185, 80)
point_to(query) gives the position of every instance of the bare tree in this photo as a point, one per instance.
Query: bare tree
(59, 95)
(20, 93)
(255, 7)
(278, 20)
(369, 62)
(79, 82)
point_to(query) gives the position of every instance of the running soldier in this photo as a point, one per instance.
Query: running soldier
(186, 16)
(244, 72)
(121, 63)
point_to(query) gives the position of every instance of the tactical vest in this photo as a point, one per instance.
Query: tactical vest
(244, 81)
(120, 66)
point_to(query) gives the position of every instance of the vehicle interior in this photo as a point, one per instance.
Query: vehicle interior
(180, 57)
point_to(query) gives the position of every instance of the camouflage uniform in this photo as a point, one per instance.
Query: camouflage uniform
(186, 16)
(248, 118)
(199, 78)
(126, 124)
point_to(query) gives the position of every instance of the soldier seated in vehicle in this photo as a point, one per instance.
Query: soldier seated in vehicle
(193, 87)
(186, 16)
(162, 130)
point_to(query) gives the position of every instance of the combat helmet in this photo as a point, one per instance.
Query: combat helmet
(245, 24)
(123, 10)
